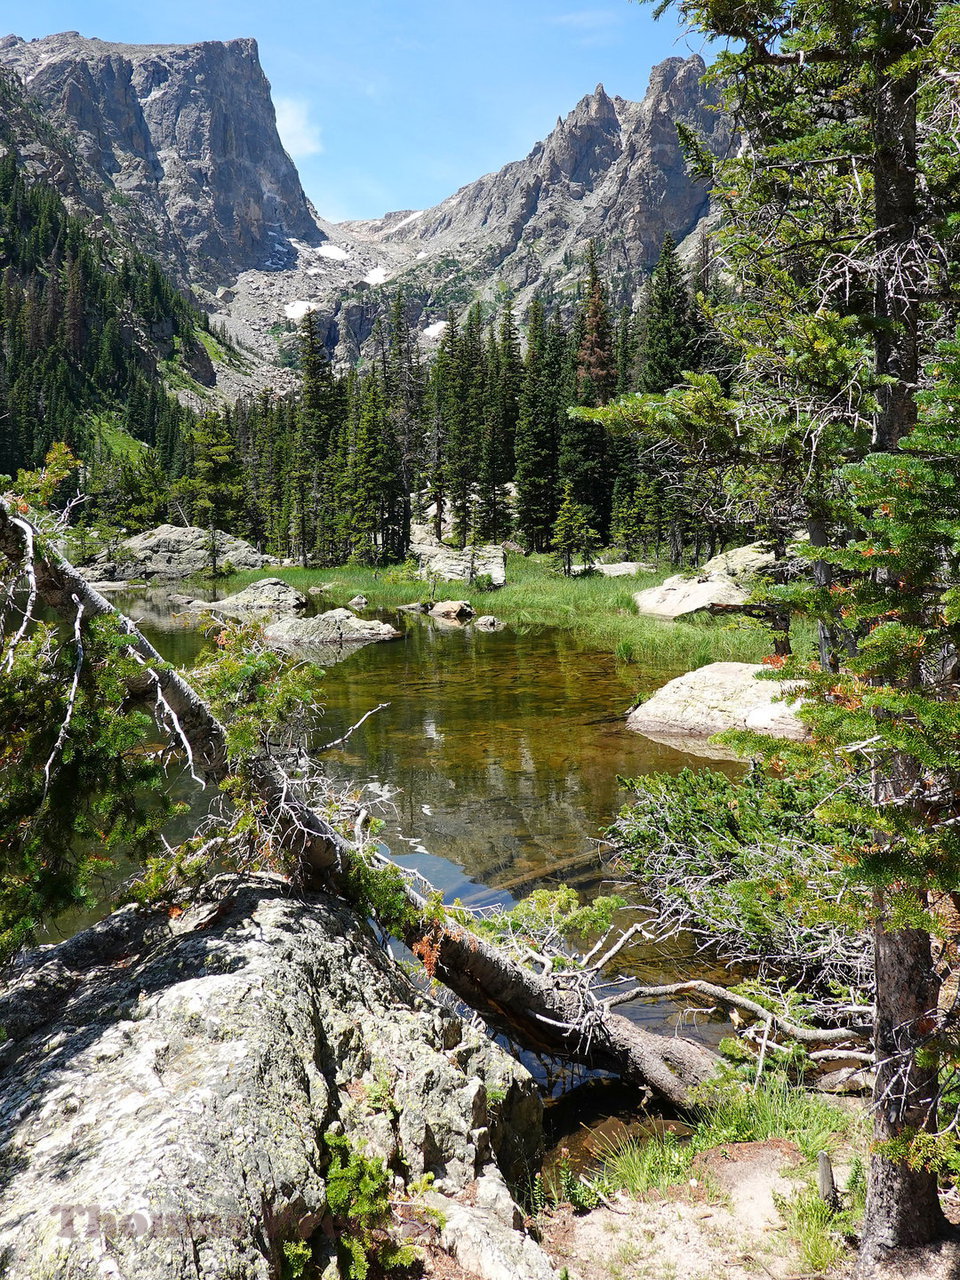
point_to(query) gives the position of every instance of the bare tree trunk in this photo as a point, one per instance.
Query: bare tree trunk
(903, 1206)
(538, 1012)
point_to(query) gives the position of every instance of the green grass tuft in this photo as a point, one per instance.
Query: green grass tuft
(728, 1113)
(774, 1109)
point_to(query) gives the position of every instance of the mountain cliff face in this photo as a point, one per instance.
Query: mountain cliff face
(611, 171)
(182, 136)
(177, 147)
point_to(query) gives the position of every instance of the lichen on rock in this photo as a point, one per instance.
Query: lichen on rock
(168, 1081)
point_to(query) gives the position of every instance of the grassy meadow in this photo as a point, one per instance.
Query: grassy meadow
(599, 611)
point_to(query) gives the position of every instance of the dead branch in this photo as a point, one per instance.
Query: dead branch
(804, 1035)
(353, 728)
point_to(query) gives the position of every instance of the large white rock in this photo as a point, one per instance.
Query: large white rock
(166, 1081)
(722, 695)
(450, 565)
(680, 595)
(268, 598)
(741, 562)
(723, 580)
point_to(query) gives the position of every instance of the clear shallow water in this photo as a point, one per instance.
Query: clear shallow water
(496, 760)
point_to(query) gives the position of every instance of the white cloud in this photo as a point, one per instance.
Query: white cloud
(590, 26)
(298, 134)
(587, 19)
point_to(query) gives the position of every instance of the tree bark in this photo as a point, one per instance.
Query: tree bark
(901, 270)
(539, 1013)
(903, 1205)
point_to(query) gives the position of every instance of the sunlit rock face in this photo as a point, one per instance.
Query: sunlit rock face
(184, 136)
(612, 171)
(175, 147)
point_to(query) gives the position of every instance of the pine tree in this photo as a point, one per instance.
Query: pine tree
(316, 415)
(405, 391)
(462, 408)
(212, 491)
(671, 332)
(537, 437)
(378, 513)
(840, 220)
(572, 534)
(596, 361)
(492, 517)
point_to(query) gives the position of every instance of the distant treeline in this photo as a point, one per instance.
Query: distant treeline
(480, 440)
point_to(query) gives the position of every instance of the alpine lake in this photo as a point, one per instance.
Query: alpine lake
(493, 767)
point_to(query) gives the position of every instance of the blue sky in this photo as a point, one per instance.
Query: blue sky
(386, 105)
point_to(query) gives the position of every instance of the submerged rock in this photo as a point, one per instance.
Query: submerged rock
(488, 623)
(167, 1082)
(329, 637)
(722, 695)
(358, 602)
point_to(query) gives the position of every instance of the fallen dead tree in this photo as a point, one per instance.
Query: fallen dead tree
(563, 1015)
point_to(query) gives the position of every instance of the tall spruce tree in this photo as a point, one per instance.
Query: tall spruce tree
(537, 436)
(840, 237)
(596, 359)
(670, 327)
(584, 463)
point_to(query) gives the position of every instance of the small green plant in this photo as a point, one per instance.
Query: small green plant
(483, 582)
(820, 1231)
(639, 1165)
(774, 1109)
(401, 574)
(555, 914)
(381, 892)
(297, 1256)
(496, 1093)
(379, 1093)
(563, 1185)
(358, 1197)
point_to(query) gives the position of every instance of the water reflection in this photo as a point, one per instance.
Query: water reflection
(496, 760)
(502, 750)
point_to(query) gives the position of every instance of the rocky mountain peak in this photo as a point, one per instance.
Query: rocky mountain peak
(186, 136)
(586, 142)
(611, 171)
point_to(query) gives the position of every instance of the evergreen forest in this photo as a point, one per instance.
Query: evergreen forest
(795, 380)
(480, 437)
